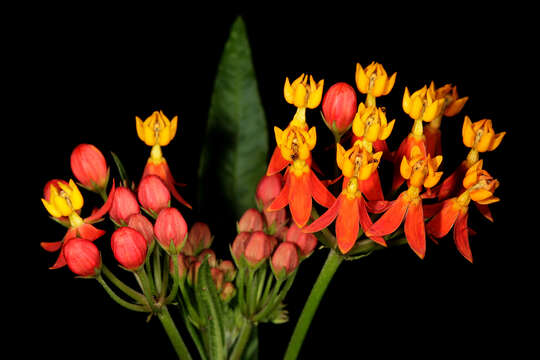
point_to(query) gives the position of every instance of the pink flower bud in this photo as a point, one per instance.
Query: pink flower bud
(124, 204)
(210, 254)
(258, 248)
(268, 189)
(228, 292)
(305, 242)
(199, 238)
(129, 247)
(183, 266)
(285, 258)
(140, 223)
(89, 166)
(153, 194)
(217, 276)
(228, 268)
(339, 107)
(275, 221)
(170, 227)
(252, 220)
(193, 272)
(239, 244)
(82, 257)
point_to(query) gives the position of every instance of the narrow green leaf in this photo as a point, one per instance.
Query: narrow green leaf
(211, 312)
(121, 170)
(235, 148)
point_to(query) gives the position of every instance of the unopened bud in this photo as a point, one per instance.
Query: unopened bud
(285, 259)
(259, 248)
(82, 257)
(124, 204)
(305, 242)
(339, 107)
(251, 220)
(89, 167)
(140, 223)
(153, 194)
(199, 238)
(228, 292)
(129, 247)
(170, 227)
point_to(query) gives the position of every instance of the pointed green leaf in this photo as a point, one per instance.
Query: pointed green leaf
(235, 148)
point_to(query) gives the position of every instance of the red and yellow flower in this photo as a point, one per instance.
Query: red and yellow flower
(479, 187)
(373, 81)
(303, 95)
(357, 165)
(156, 131)
(63, 201)
(420, 171)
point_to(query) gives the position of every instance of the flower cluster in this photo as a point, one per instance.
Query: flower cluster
(416, 162)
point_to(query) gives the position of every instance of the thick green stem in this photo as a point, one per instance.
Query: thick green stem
(327, 272)
(242, 341)
(174, 336)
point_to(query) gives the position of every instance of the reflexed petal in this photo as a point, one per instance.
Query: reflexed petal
(461, 236)
(371, 187)
(390, 84)
(277, 163)
(497, 141)
(300, 198)
(365, 220)
(283, 197)
(140, 128)
(484, 210)
(51, 246)
(441, 223)
(104, 209)
(90, 232)
(347, 224)
(362, 80)
(378, 206)
(414, 229)
(391, 219)
(319, 192)
(325, 219)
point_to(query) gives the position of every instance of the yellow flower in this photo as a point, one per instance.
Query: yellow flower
(358, 161)
(479, 185)
(371, 124)
(374, 80)
(301, 94)
(156, 129)
(64, 201)
(295, 142)
(452, 104)
(419, 170)
(422, 104)
(480, 135)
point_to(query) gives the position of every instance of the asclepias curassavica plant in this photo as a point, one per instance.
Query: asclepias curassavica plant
(210, 306)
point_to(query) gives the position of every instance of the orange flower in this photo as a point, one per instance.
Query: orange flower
(420, 171)
(479, 187)
(480, 135)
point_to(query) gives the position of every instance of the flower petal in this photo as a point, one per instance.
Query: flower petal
(365, 221)
(283, 197)
(51, 246)
(347, 224)
(461, 236)
(277, 162)
(320, 192)
(414, 228)
(371, 187)
(90, 232)
(391, 219)
(300, 198)
(104, 209)
(325, 219)
(441, 223)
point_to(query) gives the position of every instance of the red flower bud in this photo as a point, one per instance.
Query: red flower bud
(217, 276)
(193, 272)
(170, 227)
(89, 166)
(210, 254)
(305, 242)
(339, 107)
(82, 257)
(129, 247)
(258, 248)
(239, 244)
(285, 258)
(251, 220)
(228, 268)
(199, 238)
(268, 189)
(153, 194)
(228, 292)
(140, 223)
(275, 221)
(124, 204)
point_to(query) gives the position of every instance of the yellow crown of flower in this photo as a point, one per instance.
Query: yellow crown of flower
(374, 80)
(480, 135)
(358, 161)
(64, 201)
(420, 170)
(371, 124)
(301, 94)
(452, 104)
(480, 184)
(422, 104)
(295, 142)
(156, 129)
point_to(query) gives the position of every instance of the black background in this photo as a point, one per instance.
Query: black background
(87, 72)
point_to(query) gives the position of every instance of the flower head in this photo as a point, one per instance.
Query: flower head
(452, 102)
(156, 129)
(64, 199)
(370, 124)
(358, 161)
(480, 135)
(374, 80)
(295, 142)
(421, 170)
(301, 94)
(422, 104)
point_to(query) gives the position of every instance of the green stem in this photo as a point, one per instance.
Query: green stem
(135, 295)
(118, 299)
(327, 272)
(145, 285)
(174, 336)
(242, 341)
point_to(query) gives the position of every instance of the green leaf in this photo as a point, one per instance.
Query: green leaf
(235, 148)
(211, 314)
(121, 170)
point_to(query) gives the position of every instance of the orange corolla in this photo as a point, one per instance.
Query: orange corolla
(157, 131)
(63, 201)
(479, 187)
(351, 210)
(294, 145)
(373, 80)
(420, 171)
